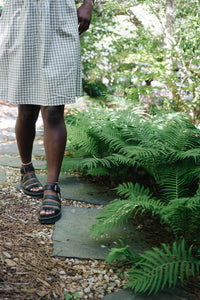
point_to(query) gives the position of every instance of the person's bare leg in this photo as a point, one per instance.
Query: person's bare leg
(55, 136)
(25, 133)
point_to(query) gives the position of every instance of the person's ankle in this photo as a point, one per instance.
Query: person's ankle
(27, 165)
(49, 182)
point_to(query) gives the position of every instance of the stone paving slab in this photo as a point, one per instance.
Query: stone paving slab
(4, 135)
(71, 237)
(10, 148)
(72, 187)
(79, 189)
(15, 162)
(126, 294)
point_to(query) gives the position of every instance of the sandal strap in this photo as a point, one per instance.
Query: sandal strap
(55, 199)
(51, 202)
(27, 170)
(32, 183)
(30, 180)
(52, 187)
(29, 176)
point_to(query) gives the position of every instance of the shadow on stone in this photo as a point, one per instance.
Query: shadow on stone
(78, 189)
(71, 236)
(72, 187)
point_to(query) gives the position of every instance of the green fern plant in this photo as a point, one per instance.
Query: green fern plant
(167, 147)
(120, 211)
(122, 255)
(182, 216)
(119, 141)
(160, 267)
(176, 179)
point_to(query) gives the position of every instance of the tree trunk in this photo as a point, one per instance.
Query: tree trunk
(169, 25)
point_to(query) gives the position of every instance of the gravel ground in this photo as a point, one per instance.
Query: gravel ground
(27, 268)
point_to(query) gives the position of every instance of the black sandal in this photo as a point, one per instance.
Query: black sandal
(51, 202)
(29, 181)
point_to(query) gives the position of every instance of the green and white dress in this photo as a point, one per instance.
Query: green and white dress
(40, 61)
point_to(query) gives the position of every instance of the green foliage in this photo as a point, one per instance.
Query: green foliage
(160, 267)
(182, 216)
(166, 146)
(75, 295)
(2, 2)
(122, 255)
(128, 58)
(98, 142)
(119, 211)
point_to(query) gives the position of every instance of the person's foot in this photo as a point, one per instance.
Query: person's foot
(50, 211)
(30, 183)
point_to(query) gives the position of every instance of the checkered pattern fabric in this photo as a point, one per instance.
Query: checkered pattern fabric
(40, 61)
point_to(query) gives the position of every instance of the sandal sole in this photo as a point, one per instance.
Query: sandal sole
(50, 220)
(32, 194)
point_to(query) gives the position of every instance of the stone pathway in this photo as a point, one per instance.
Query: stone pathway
(71, 235)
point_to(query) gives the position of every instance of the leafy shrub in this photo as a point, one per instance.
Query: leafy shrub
(180, 215)
(167, 148)
(119, 144)
(160, 267)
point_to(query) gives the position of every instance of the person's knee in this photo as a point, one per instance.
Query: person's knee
(28, 114)
(53, 115)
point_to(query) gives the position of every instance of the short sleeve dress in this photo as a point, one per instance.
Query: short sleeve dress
(40, 60)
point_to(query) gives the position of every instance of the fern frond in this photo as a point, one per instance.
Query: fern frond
(114, 214)
(128, 189)
(182, 216)
(88, 146)
(138, 132)
(198, 190)
(71, 164)
(110, 136)
(159, 267)
(191, 153)
(98, 172)
(172, 181)
(176, 131)
(119, 211)
(118, 159)
(193, 173)
(74, 164)
(141, 153)
(122, 254)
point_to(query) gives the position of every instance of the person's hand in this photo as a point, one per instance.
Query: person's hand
(84, 13)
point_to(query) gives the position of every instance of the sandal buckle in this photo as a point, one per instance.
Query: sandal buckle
(56, 189)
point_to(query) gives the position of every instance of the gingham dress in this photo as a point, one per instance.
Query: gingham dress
(40, 60)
